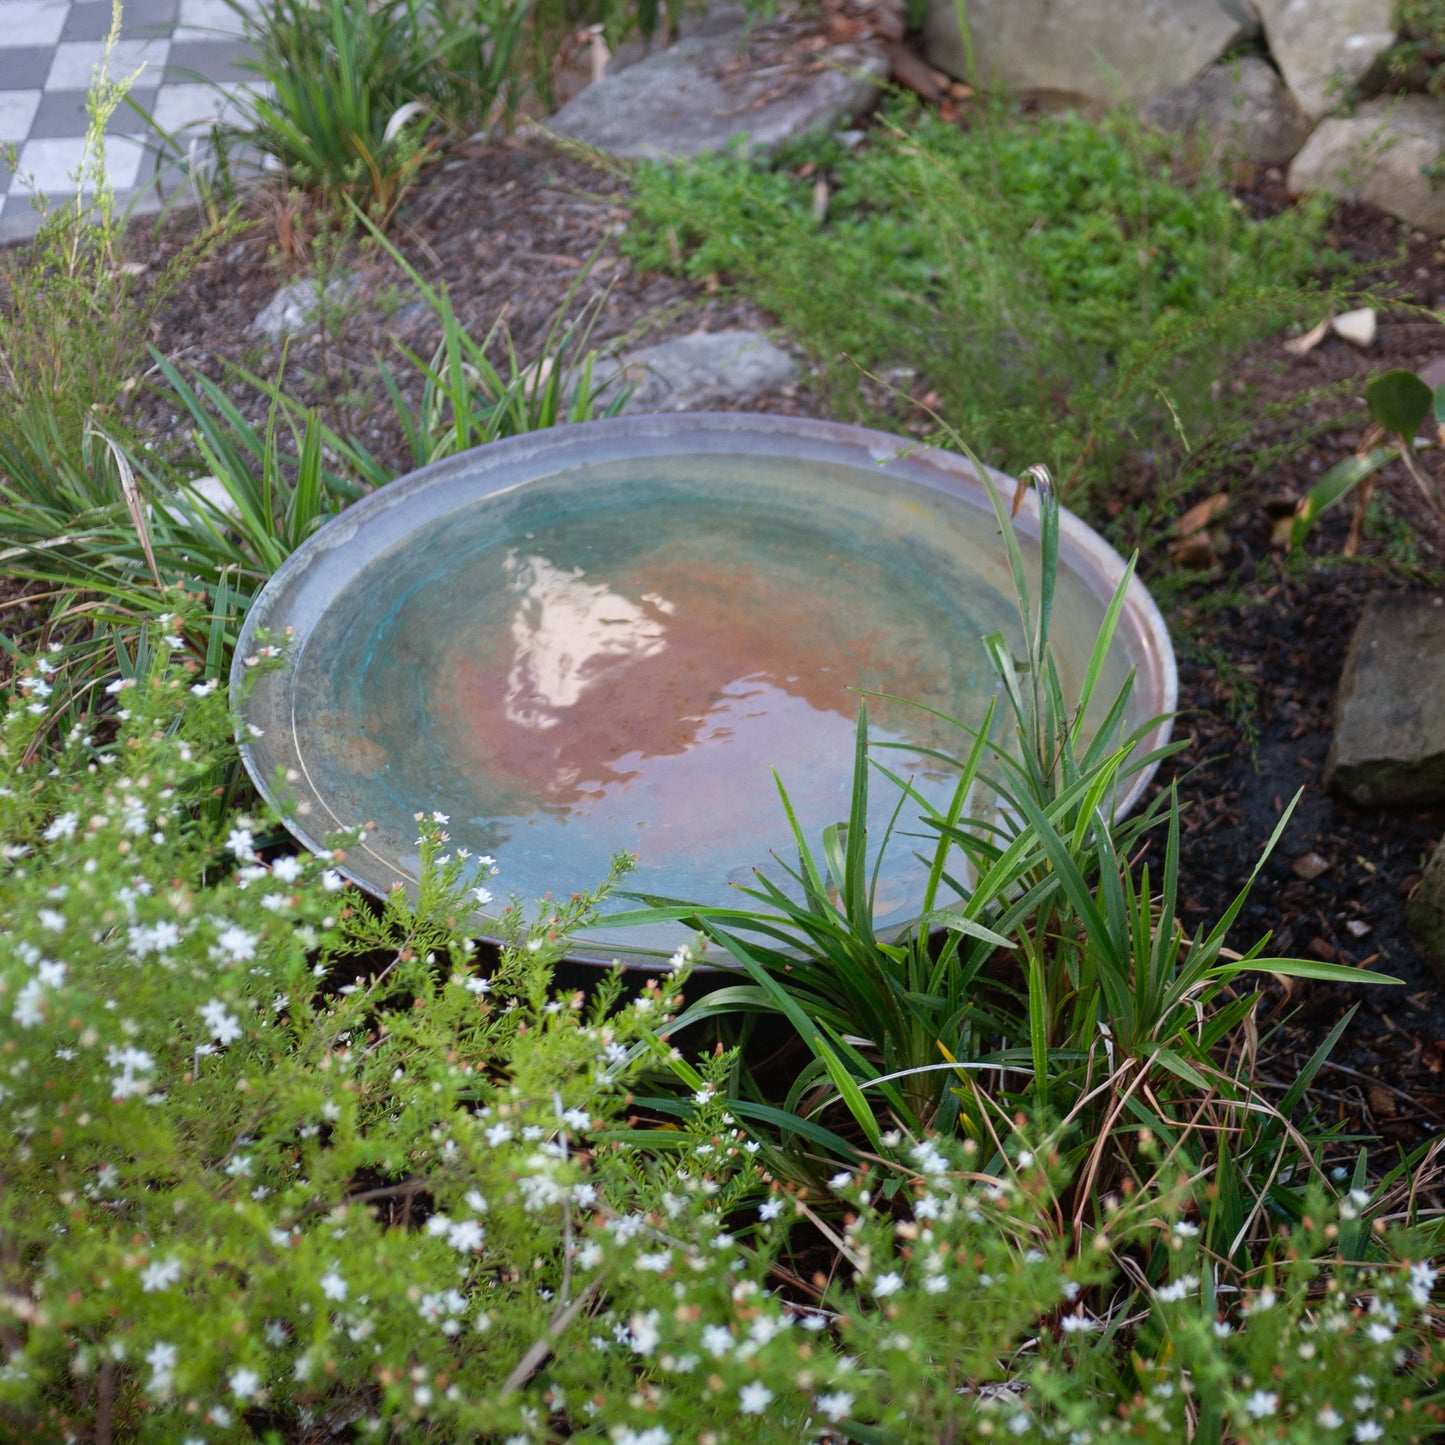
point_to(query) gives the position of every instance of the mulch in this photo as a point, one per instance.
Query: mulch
(517, 231)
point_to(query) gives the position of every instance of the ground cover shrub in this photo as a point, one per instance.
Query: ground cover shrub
(1047, 278)
(279, 1164)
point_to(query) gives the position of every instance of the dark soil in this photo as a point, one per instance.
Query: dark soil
(509, 230)
(1261, 649)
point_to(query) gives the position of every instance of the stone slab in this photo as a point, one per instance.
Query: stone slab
(1324, 47)
(1380, 155)
(1425, 912)
(1090, 53)
(1389, 743)
(1242, 105)
(687, 100)
(697, 371)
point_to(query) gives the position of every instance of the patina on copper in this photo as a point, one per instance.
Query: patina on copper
(607, 637)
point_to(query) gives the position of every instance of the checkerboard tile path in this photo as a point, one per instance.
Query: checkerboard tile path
(190, 58)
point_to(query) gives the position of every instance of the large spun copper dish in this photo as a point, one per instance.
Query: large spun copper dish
(606, 637)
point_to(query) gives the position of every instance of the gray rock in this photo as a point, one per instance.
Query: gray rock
(682, 101)
(297, 305)
(1380, 154)
(1241, 104)
(1245, 12)
(1389, 743)
(696, 371)
(1090, 53)
(1425, 912)
(1323, 47)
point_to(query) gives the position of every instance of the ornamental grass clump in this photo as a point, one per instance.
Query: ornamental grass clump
(1048, 970)
(281, 1163)
(106, 526)
(357, 99)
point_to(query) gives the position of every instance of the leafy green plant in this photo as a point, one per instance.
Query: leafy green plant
(1399, 402)
(280, 1160)
(357, 99)
(1046, 278)
(1044, 958)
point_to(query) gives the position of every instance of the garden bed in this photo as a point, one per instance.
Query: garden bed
(294, 1166)
(511, 228)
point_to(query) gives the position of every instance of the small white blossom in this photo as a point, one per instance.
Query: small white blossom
(244, 1383)
(466, 1235)
(161, 1357)
(1261, 1404)
(1177, 1290)
(1420, 1282)
(222, 1025)
(643, 1333)
(160, 1274)
(717, 1340)
(754, 1398)
(61, 827)
(235, 945)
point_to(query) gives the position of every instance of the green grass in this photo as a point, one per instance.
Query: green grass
(1065, 287)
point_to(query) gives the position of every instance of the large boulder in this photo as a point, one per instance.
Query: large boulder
(1389, 744)
(1425, 912)
(1242, 105)
(702, 95)
(1323, 47)
(1383, 154)
(1089, 53)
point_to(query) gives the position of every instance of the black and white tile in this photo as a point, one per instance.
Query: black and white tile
(186, 59)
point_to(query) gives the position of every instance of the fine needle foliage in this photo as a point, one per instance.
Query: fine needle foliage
(75, 323)
(282, 1164)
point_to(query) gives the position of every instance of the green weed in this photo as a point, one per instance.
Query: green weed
(1048, 278)
(76, 324)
